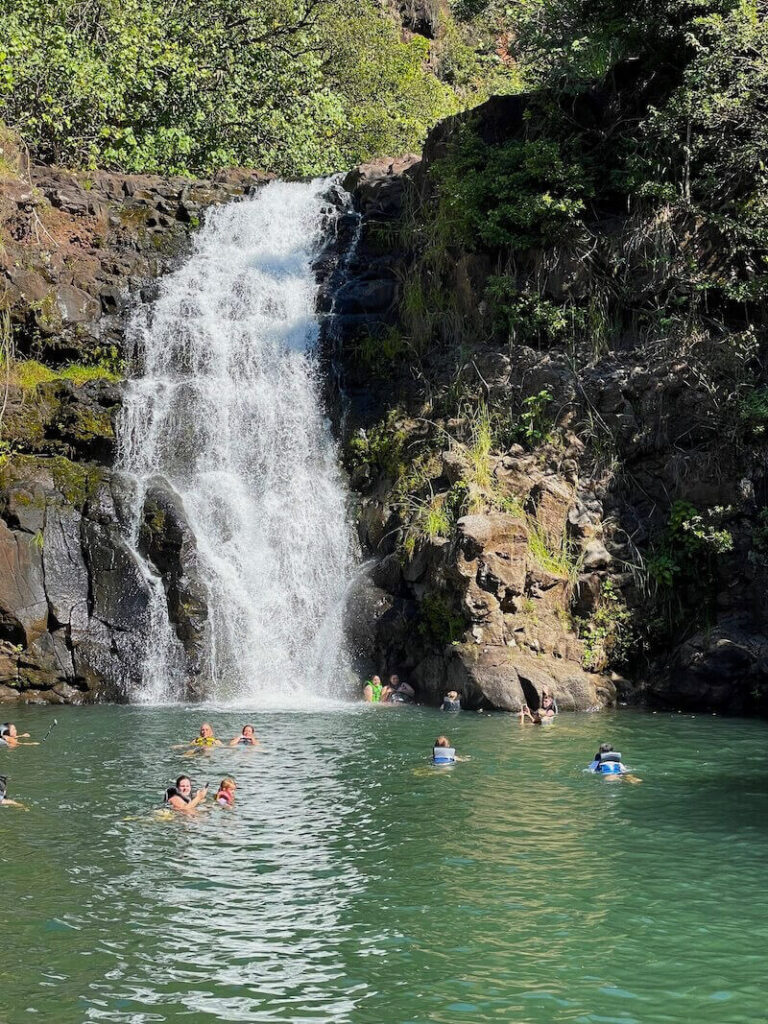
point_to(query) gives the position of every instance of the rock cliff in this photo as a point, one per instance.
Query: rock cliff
(78, 252)
(541, 515)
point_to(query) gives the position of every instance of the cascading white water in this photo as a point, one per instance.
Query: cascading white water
(229, 411)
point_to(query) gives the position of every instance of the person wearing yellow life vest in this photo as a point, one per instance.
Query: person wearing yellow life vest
(206, 737)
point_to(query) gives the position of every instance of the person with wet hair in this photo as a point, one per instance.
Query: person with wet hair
(179, 795)
(247, 738)
(11, 737)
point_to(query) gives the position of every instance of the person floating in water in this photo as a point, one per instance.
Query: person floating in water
(10, 736)
(374, 691)
(4, 800)
(204, 739)
(607, 761)
(179, 795)
(451, 701)
(246, 739)
(226, 794)
(443, 752)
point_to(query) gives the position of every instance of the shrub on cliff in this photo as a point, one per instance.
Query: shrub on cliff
(293, 86)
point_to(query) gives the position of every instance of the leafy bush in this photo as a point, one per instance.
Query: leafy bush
(608, 634)
(293, 86)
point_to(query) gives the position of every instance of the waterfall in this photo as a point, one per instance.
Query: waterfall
(228, 411)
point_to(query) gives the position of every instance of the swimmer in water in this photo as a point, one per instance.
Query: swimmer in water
(611, 765)
(10, 736)
(205, 739)
(179, 795)
(4, 800)
(444, 753)
(226, 794)
(245, 739)
(451, 701)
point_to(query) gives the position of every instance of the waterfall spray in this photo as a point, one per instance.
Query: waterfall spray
(228, 411)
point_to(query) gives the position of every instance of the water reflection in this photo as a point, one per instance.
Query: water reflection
(355, 883)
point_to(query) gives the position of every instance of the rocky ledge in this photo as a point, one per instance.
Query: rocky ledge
(78, 253)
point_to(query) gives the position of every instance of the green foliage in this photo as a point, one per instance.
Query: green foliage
(381, 447)
(294, 86)
(478, 452)
(377, 353)
(439, 622)
(29, 374)
(535, 420)
(753, 413)
(609, 635)
(528, 317)
(557, 558)
(523, 193)
(683, 566)
(690, 544)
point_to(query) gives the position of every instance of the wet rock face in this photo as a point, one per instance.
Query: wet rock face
(74, 607)
(74, 602)
(79, 251)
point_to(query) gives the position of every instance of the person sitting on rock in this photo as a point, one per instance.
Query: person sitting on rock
(179, 795)
(246, 739)
(10, 736)
(451, 701)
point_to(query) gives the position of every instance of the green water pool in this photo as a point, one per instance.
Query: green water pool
(355, 882)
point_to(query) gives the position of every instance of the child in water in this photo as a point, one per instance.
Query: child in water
(226, 794)
(611, 765)
(443, 752)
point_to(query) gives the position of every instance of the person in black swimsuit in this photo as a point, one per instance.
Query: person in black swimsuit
(245, 739)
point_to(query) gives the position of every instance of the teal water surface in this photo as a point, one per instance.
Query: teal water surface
(355, 882)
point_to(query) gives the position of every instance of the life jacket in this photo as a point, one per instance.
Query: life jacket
(376, 689)
(451, 704)
(173, 791)
(443, 755)
(204, 741)
(609, 763)
(225, 796)
(246, 742)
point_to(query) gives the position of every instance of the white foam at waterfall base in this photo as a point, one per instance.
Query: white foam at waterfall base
(228, 410)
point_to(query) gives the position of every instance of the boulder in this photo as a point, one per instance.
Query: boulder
(505, 678)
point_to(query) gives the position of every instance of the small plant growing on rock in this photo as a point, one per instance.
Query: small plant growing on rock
(608, 636)
(439, 622)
